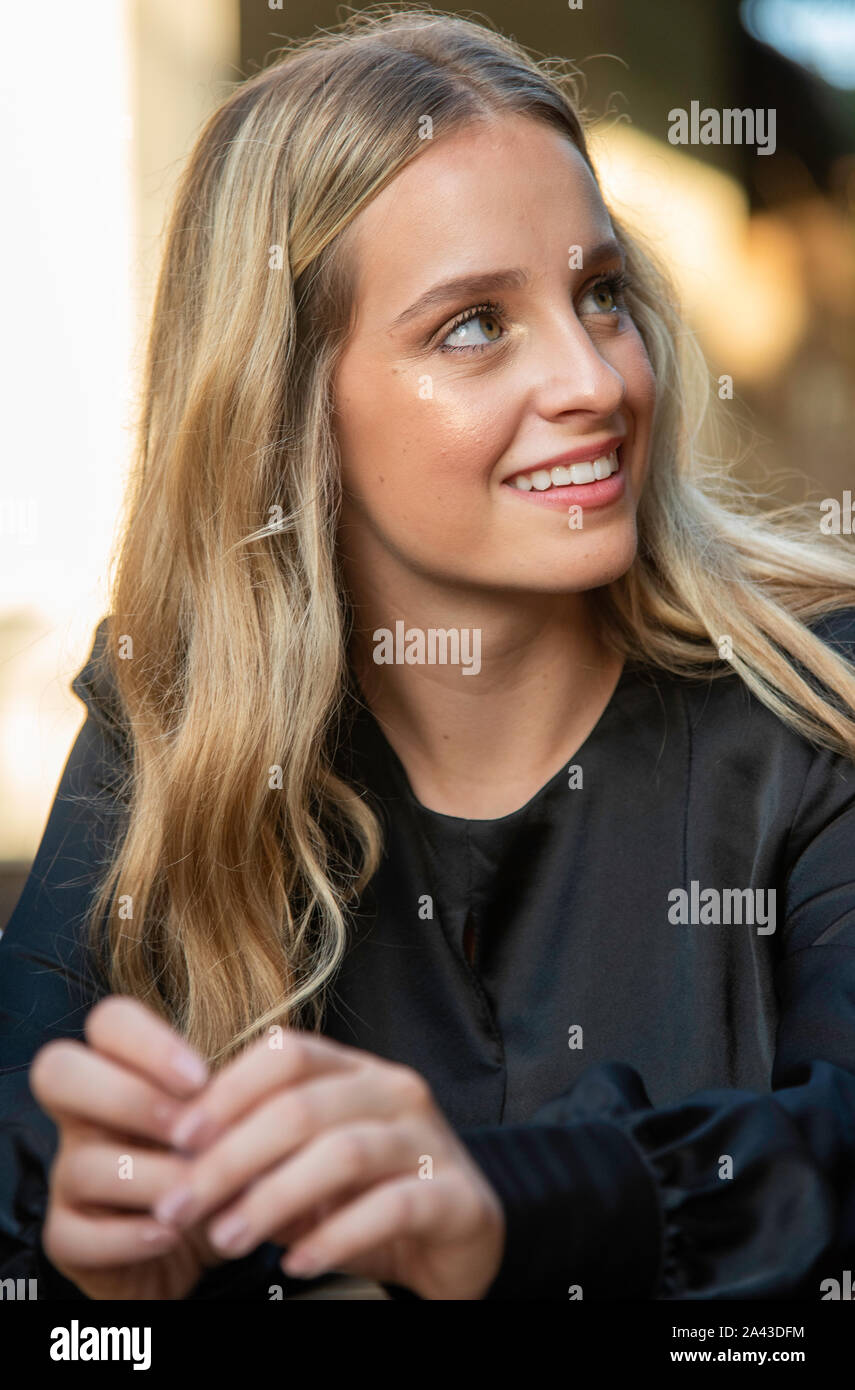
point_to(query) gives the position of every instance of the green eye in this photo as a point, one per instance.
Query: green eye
(611, 288)
(490, 316)
(604, 292)
(608, 291)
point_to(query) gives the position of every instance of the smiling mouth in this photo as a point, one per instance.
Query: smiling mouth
(567, 475)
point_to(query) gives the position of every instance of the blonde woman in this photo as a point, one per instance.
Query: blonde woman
(452, 882)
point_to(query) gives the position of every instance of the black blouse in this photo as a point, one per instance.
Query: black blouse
(633, 998)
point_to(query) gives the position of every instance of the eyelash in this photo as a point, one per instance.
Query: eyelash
(617, 282)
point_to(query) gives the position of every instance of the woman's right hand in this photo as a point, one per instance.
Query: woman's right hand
(116, 1100)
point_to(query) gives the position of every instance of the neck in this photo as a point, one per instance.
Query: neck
(479, 742)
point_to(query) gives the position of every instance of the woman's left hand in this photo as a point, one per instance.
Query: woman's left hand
(345, 1157)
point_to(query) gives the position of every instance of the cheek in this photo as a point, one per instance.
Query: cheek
(413, 440)
(641, 392)
(637, 371)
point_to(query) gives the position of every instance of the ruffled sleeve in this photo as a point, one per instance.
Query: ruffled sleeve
(727, 1193)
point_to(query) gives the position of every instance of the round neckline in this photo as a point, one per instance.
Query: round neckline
(443, 818)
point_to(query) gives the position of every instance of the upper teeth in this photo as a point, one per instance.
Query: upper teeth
(560, 476)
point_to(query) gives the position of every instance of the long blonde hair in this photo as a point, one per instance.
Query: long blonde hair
(243, 851)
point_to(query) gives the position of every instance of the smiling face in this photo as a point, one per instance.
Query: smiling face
(454, 405)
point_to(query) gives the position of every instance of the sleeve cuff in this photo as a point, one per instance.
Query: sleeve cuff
(582, 1211)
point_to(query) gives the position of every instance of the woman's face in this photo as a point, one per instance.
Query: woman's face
(437, 419)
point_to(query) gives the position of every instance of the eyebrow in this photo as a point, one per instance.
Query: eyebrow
(487, 282)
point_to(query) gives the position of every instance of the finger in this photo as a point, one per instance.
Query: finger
(403, 1207)
(284, 1123)
(99, 1173)
(125, 1030)
(74, 1082)
(84, 1241)
(342, 1159)
(283, 1059)
(295, 1230)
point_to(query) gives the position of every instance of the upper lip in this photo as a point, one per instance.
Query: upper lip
(585, 453)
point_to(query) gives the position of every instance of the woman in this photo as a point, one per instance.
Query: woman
(463, 820)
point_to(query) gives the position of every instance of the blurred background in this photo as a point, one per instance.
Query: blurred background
(95, 131)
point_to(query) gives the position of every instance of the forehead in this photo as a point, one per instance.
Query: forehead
(513, 191)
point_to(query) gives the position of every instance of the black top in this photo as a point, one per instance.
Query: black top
(634, 997)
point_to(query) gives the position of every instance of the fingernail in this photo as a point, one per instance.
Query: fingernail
(174, 1205)
(189, 1067)
(230, 1234)
(304, 1263)
(192, 1129)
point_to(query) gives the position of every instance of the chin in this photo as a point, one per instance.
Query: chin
(599, 565)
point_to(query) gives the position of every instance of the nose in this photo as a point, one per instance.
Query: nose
(571, 374)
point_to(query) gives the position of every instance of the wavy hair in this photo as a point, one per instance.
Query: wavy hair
(244, 851)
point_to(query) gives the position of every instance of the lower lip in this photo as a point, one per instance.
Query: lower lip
(586, 495)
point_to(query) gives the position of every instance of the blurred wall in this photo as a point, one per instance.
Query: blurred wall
(99, 104)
